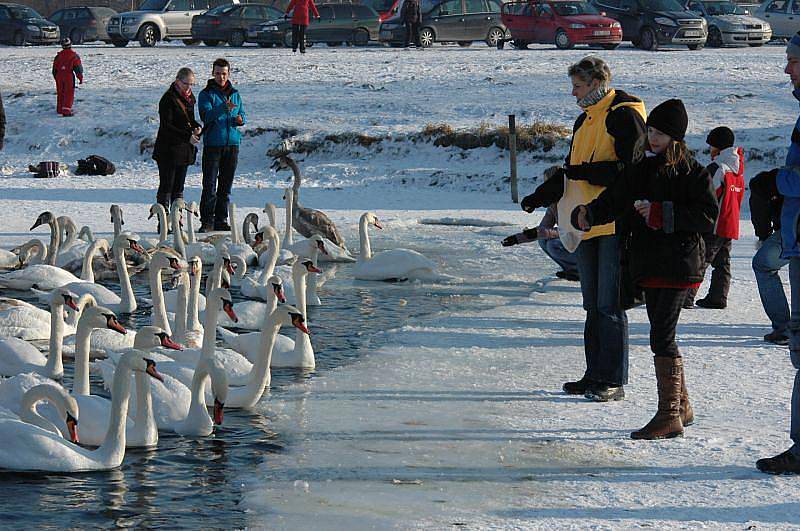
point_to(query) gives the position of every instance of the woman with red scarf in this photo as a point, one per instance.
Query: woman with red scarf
(178, 134)
(300, 20)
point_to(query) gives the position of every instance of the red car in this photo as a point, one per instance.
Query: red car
(563, 22)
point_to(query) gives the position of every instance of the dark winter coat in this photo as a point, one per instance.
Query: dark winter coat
(676, 251)
(300, 14)
(220, 127)
(765, 204)
(410, 12)
(177, 121)
(788, 180)
(2, 123)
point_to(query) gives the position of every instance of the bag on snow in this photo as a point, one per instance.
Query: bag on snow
(95, 165)
(45, 169)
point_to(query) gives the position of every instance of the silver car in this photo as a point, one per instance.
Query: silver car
(156, 20)
(729, 24)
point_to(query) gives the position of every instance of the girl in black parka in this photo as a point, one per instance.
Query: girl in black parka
(673, 195)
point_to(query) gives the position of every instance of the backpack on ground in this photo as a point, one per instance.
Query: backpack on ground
(45, 169)
(95, 165)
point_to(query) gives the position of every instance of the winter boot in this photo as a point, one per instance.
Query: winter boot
(784, 463)
(667, 421)
(687, 413)
(578, 387)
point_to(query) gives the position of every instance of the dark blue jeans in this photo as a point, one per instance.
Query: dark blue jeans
(219, 166)
(767, 263)
(555, 250)
(605, 334)
(794, 351)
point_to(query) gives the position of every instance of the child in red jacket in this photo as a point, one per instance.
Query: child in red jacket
(727, 171)
(66, 67)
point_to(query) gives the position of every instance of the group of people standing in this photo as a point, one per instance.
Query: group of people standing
(642, 220)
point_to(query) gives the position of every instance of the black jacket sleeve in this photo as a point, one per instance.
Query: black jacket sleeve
(696, 209)
(2, 123)
(763, 192)
(166, 113)
(546, 194)
(616, 200)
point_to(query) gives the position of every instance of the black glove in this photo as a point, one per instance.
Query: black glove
(529, 203)
(573, 218)
(575, 172)
(527, 235)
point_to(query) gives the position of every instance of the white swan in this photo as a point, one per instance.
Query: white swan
(51, 252)
(18, 356)
(65, 408)
(23, 320)
(36, 449)
(161, 260)
(71, 248)
(186, 325)
(206, 251)
(236, 247)
(254, 287)
(391, 265)
(152, 244)
(17, 257)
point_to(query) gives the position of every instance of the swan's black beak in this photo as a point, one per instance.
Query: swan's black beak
(38, 222)
(151, 215)
(151, 370)
(72, 428)
(218, 412)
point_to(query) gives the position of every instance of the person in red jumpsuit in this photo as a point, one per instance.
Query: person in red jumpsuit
(66, 67)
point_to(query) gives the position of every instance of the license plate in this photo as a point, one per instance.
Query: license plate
(601, 33)
(691, 33)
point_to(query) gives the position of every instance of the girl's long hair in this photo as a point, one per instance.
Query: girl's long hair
(677, 152)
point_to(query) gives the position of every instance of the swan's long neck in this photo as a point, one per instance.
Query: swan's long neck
(273, 250)
(297, 180)
(55, 243)
(190, 228)
(214, 278)
(363, 233)
(128, 302)
(145, 420)
(179, 333)
(192, 317)
(159, 315)
(312, 277)
(260, 375)
(87, 270)
(68, 229)
(287, 237)
(249, 219)
(55, 365)
(80, 383)
(232, 215)
(29, 414)
(86, 234)
(177, 234)
(302, 343)
(213, 307)
(269, 209)
(163, 235)
(117, 222)
(113, 448)
(197, 407)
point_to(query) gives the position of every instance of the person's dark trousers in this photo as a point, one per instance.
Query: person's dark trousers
(663, 311)
(219, 167)
(605, 334)
(171, 179)
(718, 255)
(767, 263)
(299, 37)
(412, 33)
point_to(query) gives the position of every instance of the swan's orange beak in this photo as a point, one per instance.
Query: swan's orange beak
(151, 370)
(167, 342)
(72, 428)
(69, 301)
(313, 269)
(229, 267)
(228, 307)
(218, 412)
(278, 290)
(136, 247)
(113, 324)
(378, 224)
(298, 322)
(174, 264)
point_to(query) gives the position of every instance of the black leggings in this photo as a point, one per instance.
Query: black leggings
(663, 311)
(170, 183)
(299, 37)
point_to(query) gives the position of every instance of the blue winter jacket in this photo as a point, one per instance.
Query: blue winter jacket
(219, 124)
(788, 181)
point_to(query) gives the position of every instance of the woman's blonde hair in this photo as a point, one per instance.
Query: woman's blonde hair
(676, 153)
(589, 68)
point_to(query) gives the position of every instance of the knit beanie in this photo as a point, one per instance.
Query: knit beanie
(670, 118)
(720, 138)
(793, 48)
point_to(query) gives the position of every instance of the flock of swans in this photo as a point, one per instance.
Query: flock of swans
(168, 374)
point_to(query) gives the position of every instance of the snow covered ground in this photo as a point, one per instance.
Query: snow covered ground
(458, 420)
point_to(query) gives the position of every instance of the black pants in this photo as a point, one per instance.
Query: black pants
(299, 37)
(170, 182)
(663, 311)
(412, 33)
(219, 167)
(718, 256)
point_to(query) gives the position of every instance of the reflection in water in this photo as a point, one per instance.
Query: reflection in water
(184, 479)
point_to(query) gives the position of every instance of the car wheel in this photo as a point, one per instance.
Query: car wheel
(76, 36)
(755, 44)
(562, 40)
(695, 46)
(494, 35)
(119, 43)
(190, 42)
(520, 44)
(19, 39)
(287, 39)
(237, 39)
(465, 44)
(426, 37)
(148, 36)
(360, 37)
(610, 46)
(648, 40)
(714, 37)
(211, 42)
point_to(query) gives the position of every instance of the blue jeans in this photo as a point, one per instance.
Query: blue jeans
(219, 166)
(605, 334)
(555, 250)
(767, 262)
(794, 351)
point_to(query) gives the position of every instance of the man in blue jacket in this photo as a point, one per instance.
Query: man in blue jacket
(788, 181)
(222, 113)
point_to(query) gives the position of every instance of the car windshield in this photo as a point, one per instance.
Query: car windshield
(23, 12)
(221, 10)
(153, 5)
(661, 5)
(379, 5)
(723, 8)
(566, 9)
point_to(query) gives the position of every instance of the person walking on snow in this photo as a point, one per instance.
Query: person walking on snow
(222, 113)
(788, 182)
(66, 67)
(411, 16)
(300, 20)
(676, 205)
(727, 171)
(2, 123)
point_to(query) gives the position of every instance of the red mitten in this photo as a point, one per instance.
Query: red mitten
(656, 218)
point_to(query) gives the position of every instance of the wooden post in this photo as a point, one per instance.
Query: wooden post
(512, 146)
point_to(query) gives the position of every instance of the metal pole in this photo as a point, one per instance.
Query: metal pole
(512, 145)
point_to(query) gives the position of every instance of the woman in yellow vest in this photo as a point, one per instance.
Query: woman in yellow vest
(604, 139)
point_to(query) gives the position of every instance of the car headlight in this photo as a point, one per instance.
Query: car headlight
(32, 28)
(704, 22)
(664, 21)
(616, 25)
(269, 28)
(766, 27)
(577, 26)
(128, 20)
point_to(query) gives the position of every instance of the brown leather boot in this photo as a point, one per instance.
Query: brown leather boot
(667, 421)
(687, 413)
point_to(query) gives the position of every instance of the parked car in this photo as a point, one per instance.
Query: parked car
(650, 23)
(84, 24)
(783, 17)
(563, 22)
(229, 23)
(156, 20)
(730, 24)
(338, 23)
(461, 21)
(21, 24)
